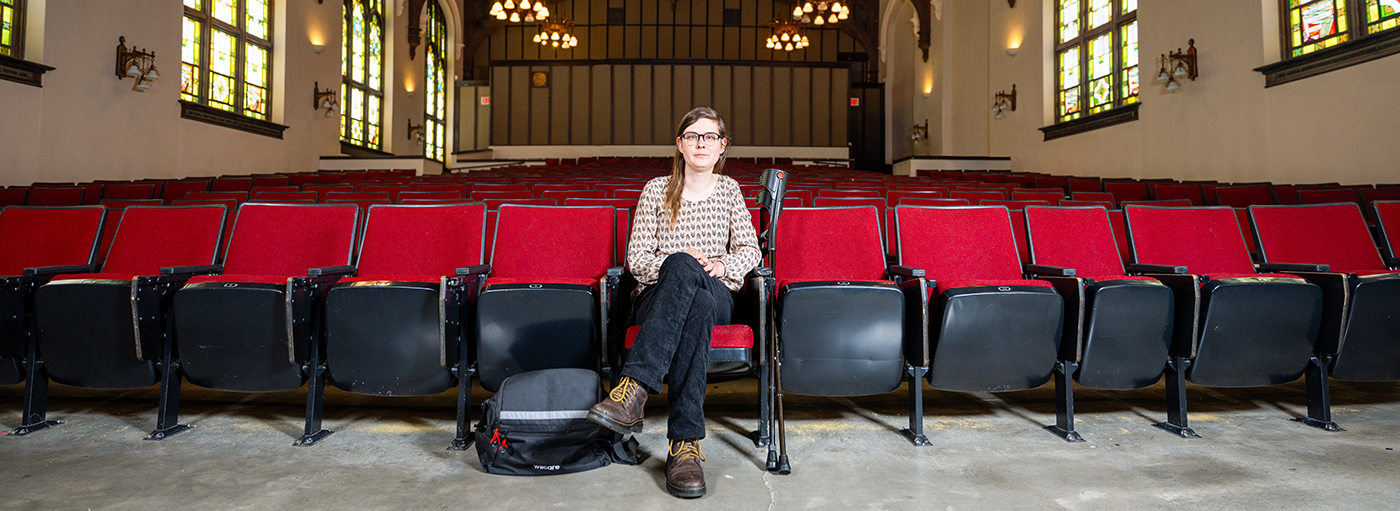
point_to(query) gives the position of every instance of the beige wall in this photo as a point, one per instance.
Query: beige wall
(85, 124)
(1224, 126)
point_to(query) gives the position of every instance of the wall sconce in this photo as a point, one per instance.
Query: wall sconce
(1182, 65)
(1012, 3)
(324, 99)
(920, 132)
(415, 133)
(1004, 101)
(138, 64)
(318, 48)
(1013, 50)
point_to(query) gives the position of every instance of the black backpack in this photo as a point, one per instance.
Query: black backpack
(537, 424)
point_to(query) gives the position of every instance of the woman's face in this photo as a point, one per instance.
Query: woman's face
(700, 153)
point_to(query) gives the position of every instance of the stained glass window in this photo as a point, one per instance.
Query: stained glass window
(1098, 65)
(435, 86)
(1382, 15)
(12, 28)
(1312, 25)
(226, 55)
(362, 30)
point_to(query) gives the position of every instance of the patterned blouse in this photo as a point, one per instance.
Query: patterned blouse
(720, 226)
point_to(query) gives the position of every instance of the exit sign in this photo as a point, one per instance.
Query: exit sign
(855, 101)
(485, 100)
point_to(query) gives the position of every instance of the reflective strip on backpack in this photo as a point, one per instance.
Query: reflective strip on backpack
(539, 416)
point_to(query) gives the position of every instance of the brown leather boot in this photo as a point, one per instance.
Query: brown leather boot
(622, 410)
(684, 477)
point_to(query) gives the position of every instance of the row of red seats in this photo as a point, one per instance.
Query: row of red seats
(252, 325)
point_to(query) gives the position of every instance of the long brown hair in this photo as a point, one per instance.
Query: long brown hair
(677, 181)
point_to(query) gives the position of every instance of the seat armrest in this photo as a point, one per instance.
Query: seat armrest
(1292, 267)
(1186, 322)
(1049, 271)
(182, 270)
(1337, 292)
(615, 271)
(916, 321)
(760, 272)
(1072, 290)
(900, 273)
(1156, 268)
(60, 270)
(330, 270)
(477, 269)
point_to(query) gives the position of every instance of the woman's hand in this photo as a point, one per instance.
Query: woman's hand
(713, 268)
(716, 269)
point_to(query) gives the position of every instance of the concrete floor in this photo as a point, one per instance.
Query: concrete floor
(988, 452)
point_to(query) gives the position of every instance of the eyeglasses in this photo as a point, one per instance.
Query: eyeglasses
(691, 137)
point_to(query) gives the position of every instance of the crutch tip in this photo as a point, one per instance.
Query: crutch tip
(772, 464)
(784, 468)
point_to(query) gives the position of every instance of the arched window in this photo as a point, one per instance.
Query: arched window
(362, 72)
(12, 28)
(1096, 56)
(226, 55)
(435, 85)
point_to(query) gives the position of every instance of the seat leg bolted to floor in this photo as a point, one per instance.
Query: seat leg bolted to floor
(315, 404)
(464, 400)
(168, 413)
(1064, 402)
(1319, 396)
(915, 432)
(36, 397)
(1176, 399)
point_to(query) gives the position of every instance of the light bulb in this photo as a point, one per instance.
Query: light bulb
(573, 41)
(844, 14)
(836, 6)
(796, 12)
(495, 8)
(544, 13)
(529, 17)
(1000, 115)
(500, 15)
(1163, 78)
(524, 4)
(133, 71)
(1180, 71)
(770, 44)
(821, 6)
(555, 44)
(788, 47)
(819, 21)
(807, 7)
(141, 86)
(514, 18)
(831, 19)
(536, 39)
(152, 74)
(805, 42)
(806, 18)
(554, 36)
(785, 37)
(510, 4)
(1173, 87)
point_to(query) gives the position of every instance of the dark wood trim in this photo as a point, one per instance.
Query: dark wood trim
(211, 115)
(670, 62)
(960, 158)
(23, 71)
(385, 156)
(1112, 117)
(355, 151)
(1324, 61)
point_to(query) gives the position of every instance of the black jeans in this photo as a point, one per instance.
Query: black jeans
(676, 315)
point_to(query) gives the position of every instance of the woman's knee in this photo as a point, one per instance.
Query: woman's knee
(683, 264)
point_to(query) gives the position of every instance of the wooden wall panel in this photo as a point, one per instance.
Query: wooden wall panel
(661, 110)
(702, 86)
(681, 100)
(632, 40)
(500, 95)
(649, 42)
(821, 107)
(540, 114)
(723, 79)
(519, 105)
(620, 116)
(580, 101)
(840, 95)
(762, 106)
(801, 90)
(782, 105)
(741, 117)
(642, 116)
(602, 103)
(561, 78)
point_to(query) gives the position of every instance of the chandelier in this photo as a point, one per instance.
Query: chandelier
(556, 34)
(787, 36)
(516, 12)
(822, 13)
